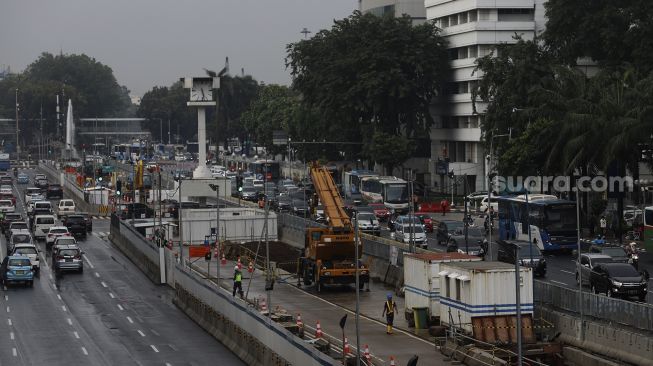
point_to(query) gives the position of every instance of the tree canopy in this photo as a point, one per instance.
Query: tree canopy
(370, 74)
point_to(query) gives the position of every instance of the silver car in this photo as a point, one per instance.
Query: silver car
(67, 258)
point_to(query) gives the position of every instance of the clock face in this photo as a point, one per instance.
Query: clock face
(201, 91)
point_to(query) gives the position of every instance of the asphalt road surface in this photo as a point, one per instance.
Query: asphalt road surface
(110, 314)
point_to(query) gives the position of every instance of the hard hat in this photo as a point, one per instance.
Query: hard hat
(236, 268)
(389, 296)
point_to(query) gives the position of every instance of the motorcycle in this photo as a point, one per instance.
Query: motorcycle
(633, 259)
(599, 240)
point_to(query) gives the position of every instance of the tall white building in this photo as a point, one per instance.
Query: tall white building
(472, 29)
(414, 8)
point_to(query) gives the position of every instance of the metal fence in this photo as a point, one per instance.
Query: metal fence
(628, 313)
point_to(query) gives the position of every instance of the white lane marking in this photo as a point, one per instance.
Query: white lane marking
(9, 321)
(103, 284)
(6, 297)
(63, 307)
(76, 334)
(130, 320)
(11, 335)
(141, 333)
(50, 274)
(154, 348)
(168, 364)
(97, 275)
(120, 307)
(14, 352)
(58, 296)
(85, 351)
(111, 295)
(88, 261)
(570, 272)
(559, 283)
(70, 321)
(8, 309)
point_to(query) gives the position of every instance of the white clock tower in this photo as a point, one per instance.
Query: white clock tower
(201, 96)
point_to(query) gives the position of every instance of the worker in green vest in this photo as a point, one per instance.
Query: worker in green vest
(238, 282)
(389, 310)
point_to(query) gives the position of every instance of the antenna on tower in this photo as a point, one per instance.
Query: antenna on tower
(306, 32)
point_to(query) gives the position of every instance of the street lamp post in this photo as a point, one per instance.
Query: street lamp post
(17, 141)
(491, 252)
(216, 188)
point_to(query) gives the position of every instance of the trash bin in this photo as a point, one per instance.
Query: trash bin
(421, 317)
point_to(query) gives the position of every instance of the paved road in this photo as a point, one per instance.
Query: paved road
(109, 315)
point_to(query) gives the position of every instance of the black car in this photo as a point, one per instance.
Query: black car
(53, 191)
(140, 211)
(474, 235)
(445, 229)
(87, 219)
(616, 252)
(619, 280)
(249, 193)
(9, 218)
(529, 255)
(300, 208)
(76, 225)
(282, 204)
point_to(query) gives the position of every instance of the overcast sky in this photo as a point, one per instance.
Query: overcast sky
(155, 42)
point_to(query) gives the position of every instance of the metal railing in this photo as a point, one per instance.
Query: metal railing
(632, 314)
(296, 222)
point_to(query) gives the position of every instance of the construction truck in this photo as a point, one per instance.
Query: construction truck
(330, 252)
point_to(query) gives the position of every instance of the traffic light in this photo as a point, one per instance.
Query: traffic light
(118, 187)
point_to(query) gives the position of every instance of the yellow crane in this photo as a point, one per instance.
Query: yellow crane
(329, 253)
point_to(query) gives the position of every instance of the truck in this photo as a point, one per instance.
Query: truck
(330, 252)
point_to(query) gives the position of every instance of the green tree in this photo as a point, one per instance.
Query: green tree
(369, 74)
(389, 150)
(610, 32)
(169, 105)
(234, 97)
(273, 109)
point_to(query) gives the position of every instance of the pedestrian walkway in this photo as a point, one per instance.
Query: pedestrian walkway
(329, 307)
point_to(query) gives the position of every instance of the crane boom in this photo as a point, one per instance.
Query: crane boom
(334, 207)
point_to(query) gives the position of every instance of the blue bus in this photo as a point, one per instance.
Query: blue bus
(552, 221)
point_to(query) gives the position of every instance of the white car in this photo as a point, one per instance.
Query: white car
(29, 250)
(54, 232)
(7, 206)
(33, 194)
(6, 190)
(403, 233)
(66, 207)
(42, 224)
(493, 203)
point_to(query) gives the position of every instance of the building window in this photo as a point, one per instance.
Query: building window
(473, 51)
(382, 10)
(516, 15)
(458, 289)
(473, 15)
(484, 14)
(448, 287)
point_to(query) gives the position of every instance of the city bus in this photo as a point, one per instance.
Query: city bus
(371, 190)
(648, 228)
(394, 193)
(553, 223)
(267, 170)
(351, 182)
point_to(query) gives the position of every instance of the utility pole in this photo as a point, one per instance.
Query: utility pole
(17, 141)
(306, 32)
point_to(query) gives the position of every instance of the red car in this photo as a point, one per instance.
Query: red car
(8, 196)
(380, 211)
(426, 220)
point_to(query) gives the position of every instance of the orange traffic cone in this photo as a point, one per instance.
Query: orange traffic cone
(250, 267)
(300, 324)
(368, 358)
(223, 260)
(346, 347)
(240, 265)
(392, 361)
(318, 330)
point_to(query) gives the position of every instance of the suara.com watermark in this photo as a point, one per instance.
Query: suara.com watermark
(564, 184)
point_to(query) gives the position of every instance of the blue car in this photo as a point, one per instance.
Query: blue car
(17, 268)
(22, 178)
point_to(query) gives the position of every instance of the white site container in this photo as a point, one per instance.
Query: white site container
(422, 281)
(481, 289)
(236, 224)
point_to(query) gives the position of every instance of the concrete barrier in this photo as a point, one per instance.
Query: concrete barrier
(601, 338)
(69, 187)
(140, 251)
(254, 338)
